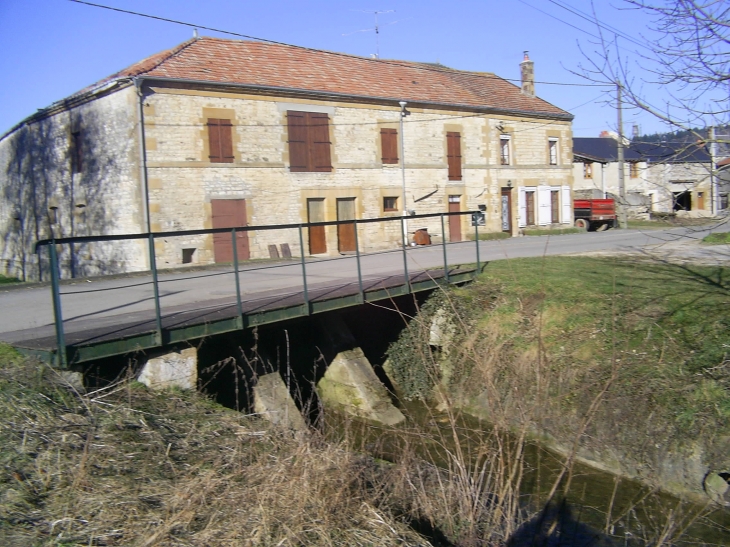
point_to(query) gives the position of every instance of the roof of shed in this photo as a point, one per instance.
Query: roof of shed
(286, 67)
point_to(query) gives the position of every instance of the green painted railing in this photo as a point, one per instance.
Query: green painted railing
(52, 244)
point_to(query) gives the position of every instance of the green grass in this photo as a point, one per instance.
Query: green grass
(5, 280)
(490, 236)
(552, 231)
(718, 238)
(543, 336)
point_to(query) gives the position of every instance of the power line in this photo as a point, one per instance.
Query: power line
(304, 48)
(604, 26)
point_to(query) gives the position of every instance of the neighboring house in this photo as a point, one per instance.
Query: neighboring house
(660, 178)
(221, 133)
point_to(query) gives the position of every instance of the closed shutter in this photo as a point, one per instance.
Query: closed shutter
(297, 128)
(521, 208)
(389, 145)
(453, 154)
(319, 141)
(543, 205)
(220, 140)
(566, 205)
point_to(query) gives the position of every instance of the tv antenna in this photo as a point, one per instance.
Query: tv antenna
(376, 29)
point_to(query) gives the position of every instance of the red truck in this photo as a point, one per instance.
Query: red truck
(594, 214)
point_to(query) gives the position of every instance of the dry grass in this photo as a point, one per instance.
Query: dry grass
(126, 466)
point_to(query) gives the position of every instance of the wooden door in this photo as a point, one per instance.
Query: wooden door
(346, 232)
(530, 208)
(455, 220)
(229, 213)
(506, 210)
(554, 206)
(317, 238)
(700, 200)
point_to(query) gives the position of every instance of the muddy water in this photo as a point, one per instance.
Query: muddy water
(606, 509)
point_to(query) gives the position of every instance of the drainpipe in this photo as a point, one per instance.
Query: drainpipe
(143, 156)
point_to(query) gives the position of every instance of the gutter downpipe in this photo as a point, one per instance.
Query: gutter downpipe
(143, 156)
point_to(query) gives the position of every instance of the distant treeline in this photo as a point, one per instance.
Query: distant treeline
(688, 136)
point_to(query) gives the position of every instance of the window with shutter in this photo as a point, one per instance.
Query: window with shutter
(220, 140)
(389, 145)
(309, 142)
(453, 154)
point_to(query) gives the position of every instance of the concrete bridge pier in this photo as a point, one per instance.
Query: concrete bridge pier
(177, 368)
(350, 383)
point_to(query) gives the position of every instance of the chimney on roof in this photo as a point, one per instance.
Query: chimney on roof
(527, 71)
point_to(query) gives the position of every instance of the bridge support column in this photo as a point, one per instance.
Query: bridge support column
(350, 383)
(273, 401)
(174, 369)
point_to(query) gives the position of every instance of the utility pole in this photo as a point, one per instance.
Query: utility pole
(623, 220)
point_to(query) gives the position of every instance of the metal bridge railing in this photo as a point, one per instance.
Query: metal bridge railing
(406, 249)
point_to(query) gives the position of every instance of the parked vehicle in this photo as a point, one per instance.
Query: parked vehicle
(594, 214)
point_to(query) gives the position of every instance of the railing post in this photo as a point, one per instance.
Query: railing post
(443, 246)
(57, 312)
(239, 308)
(476, 238)
(304, 272)
(155, 288)
(359, 269)
(405, 259)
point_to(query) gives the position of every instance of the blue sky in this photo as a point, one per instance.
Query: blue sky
(52, 48)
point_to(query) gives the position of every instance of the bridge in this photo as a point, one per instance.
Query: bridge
(113, 315)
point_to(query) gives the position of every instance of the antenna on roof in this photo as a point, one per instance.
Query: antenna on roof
(375, 55)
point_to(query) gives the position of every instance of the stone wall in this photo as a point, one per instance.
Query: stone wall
(46, 195)
(183, 182)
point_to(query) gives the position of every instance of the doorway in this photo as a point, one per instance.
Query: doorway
(530, 208)
(229, 213)
(455, 220)
(506, 210)
(682, 201)
(346, 232)
(317, 238)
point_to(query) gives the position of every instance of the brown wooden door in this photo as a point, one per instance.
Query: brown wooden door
(317, 237)
(530, 207)
(506, 209)
(554, 206)
(455, 220)
(700, 200)
(346, 232)
(229, 213)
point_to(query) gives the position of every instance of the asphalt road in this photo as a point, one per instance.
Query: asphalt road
(97, 301)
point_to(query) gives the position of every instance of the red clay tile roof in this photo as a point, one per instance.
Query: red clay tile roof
(285, 67)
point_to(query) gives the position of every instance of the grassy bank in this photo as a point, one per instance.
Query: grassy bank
(123, 465)
(717, 238)
(632, 357)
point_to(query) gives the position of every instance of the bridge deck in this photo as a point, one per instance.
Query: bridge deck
(132, 332)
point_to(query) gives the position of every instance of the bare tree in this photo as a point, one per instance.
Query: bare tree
(686, 51)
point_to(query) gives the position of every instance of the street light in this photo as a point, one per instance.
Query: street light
(403, 114)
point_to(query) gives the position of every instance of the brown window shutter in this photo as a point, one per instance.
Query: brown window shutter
(225, 128)
(297, 134)
(389, 145)
(214, 140)
(453, 154)
(319, 142)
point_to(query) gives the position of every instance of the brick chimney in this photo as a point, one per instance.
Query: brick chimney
(527, 71)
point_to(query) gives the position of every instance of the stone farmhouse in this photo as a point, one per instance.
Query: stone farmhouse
(659, 178)
(222, 133)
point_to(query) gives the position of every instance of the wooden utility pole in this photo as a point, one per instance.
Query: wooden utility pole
(623, 220)
(714, 205)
